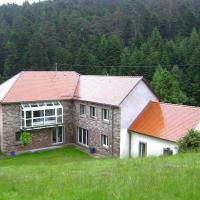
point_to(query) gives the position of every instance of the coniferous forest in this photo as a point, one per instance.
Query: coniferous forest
(159, 39)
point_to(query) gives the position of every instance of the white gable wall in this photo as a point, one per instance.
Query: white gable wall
(5, 87)
(198, 127)
(155, 146)
(131, 107)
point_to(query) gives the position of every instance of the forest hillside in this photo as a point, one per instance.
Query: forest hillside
(159, 39)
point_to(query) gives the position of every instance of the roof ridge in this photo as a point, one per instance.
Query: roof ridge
(114, 76)
(19, 75)
(77, 84)
(48, 71)
(178, 105)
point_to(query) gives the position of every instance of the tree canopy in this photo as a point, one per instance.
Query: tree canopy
(120, 37)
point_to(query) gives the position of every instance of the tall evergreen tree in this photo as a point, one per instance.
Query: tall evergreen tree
(167, 87)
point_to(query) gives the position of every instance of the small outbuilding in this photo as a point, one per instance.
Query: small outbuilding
(159, 126)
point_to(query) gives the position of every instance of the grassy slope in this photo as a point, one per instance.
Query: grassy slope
(70, 174)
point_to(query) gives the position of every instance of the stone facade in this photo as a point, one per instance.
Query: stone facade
(98, 126)
(11, 125)
(68, 121)
(41, 138)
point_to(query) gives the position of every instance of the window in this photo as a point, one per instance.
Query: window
(104, 140)
(105, 114)
(83, 136)
(167, 151)
(82, 109)
(93, 112)
(57, 136)
(41, 114)
(18, 135)
(142, 149)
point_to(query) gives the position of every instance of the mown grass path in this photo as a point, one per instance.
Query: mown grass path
(70, 174)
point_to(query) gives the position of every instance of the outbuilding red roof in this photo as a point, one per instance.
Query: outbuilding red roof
(166, 121)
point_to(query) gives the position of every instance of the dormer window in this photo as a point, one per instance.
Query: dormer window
(41, 114)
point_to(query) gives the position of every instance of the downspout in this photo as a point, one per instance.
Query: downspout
(112, 131)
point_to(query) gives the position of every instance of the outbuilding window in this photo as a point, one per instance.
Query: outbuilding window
(142, 149)
(167, 151)
(41, 114)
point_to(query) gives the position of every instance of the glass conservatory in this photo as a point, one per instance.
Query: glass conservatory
(34, 115)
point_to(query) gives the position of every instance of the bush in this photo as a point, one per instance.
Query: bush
(190, 142)
(25, 138)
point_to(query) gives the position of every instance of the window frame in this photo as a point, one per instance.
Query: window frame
(16, 140)
(43, 120)
(57, 129)
(84, 106)
(81, 131)
(95, 109)
(106, 137)
(140, 152)
(107, 113)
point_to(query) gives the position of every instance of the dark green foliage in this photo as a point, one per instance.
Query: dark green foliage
(167, 86)
(108, 34)
(190, 142)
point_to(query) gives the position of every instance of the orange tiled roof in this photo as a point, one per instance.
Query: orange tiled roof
(40, 86)
(166, 121)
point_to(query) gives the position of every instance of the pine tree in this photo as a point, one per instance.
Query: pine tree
(167, 87)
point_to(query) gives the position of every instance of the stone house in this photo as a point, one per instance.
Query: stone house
(60, 108)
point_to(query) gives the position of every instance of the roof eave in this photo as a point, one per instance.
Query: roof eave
(145, 134)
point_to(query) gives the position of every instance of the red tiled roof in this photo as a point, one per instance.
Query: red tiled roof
(40, 86)
(105, 89)
(166, 121)
(32, 86)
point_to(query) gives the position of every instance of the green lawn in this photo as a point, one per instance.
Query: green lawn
(70, 174)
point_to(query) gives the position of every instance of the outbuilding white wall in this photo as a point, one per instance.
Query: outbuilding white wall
(198, 127)
(131, 107)
(154, 145)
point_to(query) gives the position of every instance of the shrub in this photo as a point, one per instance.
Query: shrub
(25, 138)
(190, 142)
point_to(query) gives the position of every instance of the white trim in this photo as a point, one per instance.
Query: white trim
(107, 114)
(43, 119)
(102, 140)
(95, 116)
(84, 114)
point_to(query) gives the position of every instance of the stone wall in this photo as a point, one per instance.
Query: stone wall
(41, 138)
(68, 121)
(97, 126)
